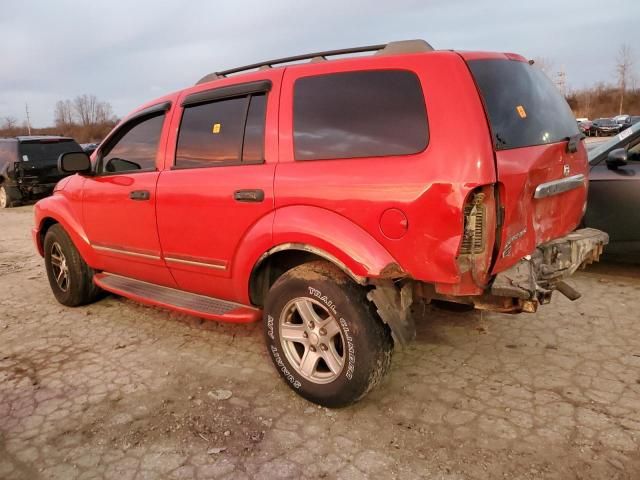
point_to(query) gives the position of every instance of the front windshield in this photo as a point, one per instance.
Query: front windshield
(597, 152)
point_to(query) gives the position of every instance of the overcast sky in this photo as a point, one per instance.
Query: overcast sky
(129, 52)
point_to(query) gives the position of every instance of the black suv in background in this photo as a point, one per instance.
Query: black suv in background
(29, 166)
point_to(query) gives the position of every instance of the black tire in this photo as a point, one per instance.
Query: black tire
(363, 341)
(80, 289)
(9, 196)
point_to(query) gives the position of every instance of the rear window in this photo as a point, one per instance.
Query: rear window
(46, 151)
(359, 114)
(523, 106)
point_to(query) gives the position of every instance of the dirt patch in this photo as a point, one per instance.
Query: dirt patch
(195, 422)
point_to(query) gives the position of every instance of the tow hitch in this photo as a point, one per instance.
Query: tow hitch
(534, 278)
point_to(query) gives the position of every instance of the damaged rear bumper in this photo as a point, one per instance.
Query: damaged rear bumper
(533, 279)
(521, 288)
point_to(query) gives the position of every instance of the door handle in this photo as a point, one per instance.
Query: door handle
(255, 195)
(139, 195)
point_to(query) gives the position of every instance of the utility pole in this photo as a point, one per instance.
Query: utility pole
(561, 81)
(26, 108)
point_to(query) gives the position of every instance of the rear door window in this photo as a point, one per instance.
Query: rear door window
(523, 106)
(222, 132)
(370, 113)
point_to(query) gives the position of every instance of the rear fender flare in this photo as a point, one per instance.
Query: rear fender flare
(318, 231)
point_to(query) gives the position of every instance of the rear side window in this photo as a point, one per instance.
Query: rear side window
(523, 106)
(252, 152)
(359, 114)
(223, 132)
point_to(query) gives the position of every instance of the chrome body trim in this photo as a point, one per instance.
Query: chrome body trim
(308, 248)
(556, 187)
(125, 252)
(196, 264)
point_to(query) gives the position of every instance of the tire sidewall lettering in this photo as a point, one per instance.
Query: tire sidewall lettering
(351, 351)
(270, 327)
(283, 368)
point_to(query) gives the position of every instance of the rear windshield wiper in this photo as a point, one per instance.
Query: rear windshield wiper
(501, 142)
(573, 142)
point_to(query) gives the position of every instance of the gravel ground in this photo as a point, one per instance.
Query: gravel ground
(120, 390)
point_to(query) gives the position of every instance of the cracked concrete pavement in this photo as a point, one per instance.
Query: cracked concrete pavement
(120, 390)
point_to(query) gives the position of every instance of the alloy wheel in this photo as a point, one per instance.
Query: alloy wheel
(312, 340)
(59, 267)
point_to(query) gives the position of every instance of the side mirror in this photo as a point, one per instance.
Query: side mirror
(616, 158)
(74, 162)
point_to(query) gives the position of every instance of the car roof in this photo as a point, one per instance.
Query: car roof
(391, 49)
(35, 138)
(386, 49)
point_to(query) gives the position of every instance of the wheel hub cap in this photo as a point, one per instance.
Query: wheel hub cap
(312, 340)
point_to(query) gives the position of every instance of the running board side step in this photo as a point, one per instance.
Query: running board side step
(174, 299)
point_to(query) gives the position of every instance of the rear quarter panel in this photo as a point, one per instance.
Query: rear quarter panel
(429, 187)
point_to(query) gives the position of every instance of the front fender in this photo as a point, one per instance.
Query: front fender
(59, 209)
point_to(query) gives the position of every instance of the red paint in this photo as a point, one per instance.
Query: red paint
(541, 220)
(393, 223)
(369, 214)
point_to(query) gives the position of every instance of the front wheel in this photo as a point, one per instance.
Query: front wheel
(71, 279)
(324, 336)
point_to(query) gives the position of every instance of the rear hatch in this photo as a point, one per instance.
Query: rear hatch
(536, 141)
(39, 158)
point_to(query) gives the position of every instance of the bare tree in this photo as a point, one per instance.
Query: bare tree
(90, 111)
(85, 108)
(63, 114)
(104, 113)
(9, 123)
(624, 68)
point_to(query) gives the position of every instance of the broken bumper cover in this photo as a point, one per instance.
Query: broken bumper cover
(536, 276)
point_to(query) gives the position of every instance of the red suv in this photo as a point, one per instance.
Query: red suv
(325, 197)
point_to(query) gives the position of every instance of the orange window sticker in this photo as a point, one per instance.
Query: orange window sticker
(216, 128)
(521, 111)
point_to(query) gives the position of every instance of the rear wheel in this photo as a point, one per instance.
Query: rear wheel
(324, 336)
(71, 279)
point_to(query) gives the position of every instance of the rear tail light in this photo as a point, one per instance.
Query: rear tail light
(475, 219)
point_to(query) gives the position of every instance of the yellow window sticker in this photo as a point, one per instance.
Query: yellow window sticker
(216, 128)
(521, 111)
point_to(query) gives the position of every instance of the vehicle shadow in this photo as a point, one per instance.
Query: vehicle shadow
(433, 319)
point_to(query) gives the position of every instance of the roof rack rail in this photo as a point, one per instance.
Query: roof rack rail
(391, 48)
